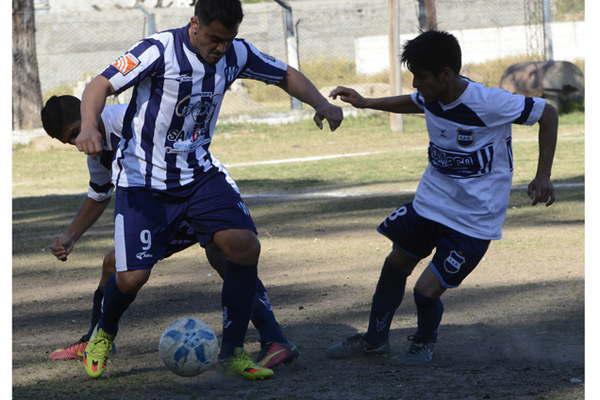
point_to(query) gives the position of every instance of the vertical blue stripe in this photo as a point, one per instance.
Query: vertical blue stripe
(152, 109)
(208, 85)
(185, 89)
(127, 130)
(231, 63)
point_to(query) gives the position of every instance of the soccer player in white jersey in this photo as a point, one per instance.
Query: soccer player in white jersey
(164, 172)
(461, 201)
(61, 120)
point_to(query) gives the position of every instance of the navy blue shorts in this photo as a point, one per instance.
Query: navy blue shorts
(148, 222)
(456, 254)
(183, 238)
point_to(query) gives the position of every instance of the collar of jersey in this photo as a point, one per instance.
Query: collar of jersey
(458, 100)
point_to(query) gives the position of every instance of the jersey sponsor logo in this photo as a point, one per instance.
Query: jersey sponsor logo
(184, 78)
(453, 262)
(464, 138)
(126, 63)
(202, 112)
(458, 164)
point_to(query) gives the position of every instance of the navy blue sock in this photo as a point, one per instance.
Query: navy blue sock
(263, 317)
(113, 306)
(237, 300)
(96, 311)
(386, 300)
(429, 316)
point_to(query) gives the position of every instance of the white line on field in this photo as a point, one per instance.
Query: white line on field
(348, 155)
(304, 159)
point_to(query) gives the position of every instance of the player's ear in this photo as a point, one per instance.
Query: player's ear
(195, 24)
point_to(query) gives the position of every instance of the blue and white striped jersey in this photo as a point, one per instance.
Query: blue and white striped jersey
(100, 166)
(176, 99)
(467, 183)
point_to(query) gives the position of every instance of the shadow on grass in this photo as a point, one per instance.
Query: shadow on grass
(37, 219)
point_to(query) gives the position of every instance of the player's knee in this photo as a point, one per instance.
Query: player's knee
(240, 246)
(400, 262)
(130, 282)
(427, 290)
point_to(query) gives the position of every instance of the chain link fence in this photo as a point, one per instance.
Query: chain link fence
(338, 42)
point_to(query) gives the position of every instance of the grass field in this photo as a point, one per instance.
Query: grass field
(514, 330)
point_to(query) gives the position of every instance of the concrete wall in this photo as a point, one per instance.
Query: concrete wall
(478, 45)
(75, 44)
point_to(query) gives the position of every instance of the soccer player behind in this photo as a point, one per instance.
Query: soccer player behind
(61, 120)
(461, 201)
(164, 171)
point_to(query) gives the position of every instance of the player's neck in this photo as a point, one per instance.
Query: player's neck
(455, 90)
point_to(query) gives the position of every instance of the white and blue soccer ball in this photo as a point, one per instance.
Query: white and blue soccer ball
(188, 346)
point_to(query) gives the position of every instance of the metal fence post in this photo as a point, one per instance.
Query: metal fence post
(291, 45)
(548, 47)
(149, 20)
(394, 54)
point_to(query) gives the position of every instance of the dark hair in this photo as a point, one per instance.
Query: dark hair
(432, 51)
(227, 12)
(58, 112)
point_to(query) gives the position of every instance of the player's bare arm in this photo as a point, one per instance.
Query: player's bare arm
(394, 104)
(93, 100)
(88, 214)
(540, 190)
(299, 86)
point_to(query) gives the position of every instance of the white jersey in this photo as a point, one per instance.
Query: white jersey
(100, 166)
(467, 183)
(174, 107)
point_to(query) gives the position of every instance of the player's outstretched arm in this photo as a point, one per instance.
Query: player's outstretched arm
(299, 86)
(540, 190)
(88, 214)
(394, 104)
(93, 99)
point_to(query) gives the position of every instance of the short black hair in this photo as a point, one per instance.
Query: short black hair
(227, 12)
(59, 112)
(432, 51)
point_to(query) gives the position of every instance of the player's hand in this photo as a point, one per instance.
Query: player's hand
(333, 114)
(89, 141)
(348, 95)
(540, 190)
(61, 247)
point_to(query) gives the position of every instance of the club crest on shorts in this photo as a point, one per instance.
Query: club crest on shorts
(453, 262)
(464, 137)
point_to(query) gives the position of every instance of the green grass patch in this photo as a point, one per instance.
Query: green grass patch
(395, 157)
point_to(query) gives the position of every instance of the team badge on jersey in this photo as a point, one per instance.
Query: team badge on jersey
(464, 138)
(126, 63)
(230, 73)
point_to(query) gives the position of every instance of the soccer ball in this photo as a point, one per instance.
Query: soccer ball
(188, 346)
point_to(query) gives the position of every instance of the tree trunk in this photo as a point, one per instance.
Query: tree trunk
(27, 93)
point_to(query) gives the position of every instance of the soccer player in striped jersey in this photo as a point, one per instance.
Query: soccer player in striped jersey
(461, 201)
(164, 171)
(61, 120)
